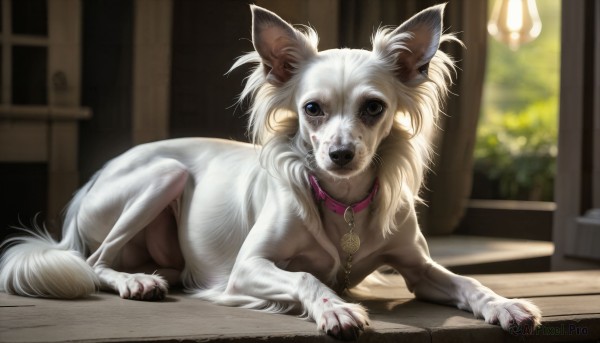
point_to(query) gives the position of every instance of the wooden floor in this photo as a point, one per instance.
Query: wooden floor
(570, 302)
(490, 255)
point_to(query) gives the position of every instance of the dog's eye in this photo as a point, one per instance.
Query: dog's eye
(373, 108)
(313, 109)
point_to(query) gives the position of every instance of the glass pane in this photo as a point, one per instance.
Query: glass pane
(24, 192)
(29, 79)
(30, 17)
(516, 148)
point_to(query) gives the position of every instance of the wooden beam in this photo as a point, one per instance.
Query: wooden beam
(64, 90)
(151, 69)
(27, 112)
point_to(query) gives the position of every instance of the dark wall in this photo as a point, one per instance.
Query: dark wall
(107, 80)
(23, 193)
(207, 37)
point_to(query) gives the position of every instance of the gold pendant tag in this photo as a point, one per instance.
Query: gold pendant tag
(350, 243)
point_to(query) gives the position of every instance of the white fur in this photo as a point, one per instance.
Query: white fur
(237, 223)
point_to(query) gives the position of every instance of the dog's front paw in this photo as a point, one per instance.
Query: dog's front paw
(143, 287)
(513, 314)
(342, 320)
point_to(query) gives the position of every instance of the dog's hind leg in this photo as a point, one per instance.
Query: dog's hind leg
(142, 195)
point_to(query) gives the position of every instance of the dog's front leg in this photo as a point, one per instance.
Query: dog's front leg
(257, 281)
(260, 278)
(432, 282)
(440, 285)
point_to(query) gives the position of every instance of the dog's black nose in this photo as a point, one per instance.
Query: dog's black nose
(341, 155)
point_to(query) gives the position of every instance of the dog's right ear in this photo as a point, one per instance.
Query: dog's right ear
(280, 46)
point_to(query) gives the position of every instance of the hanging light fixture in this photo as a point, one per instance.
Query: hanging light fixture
(515, 22)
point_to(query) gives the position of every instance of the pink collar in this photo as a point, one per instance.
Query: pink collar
(336, 206)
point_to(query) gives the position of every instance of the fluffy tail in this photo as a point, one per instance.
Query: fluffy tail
(37, 266)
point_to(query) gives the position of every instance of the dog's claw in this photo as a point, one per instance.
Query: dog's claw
(343, 321)
(155, 295)
(335, 331)
(348, 334)
(144, 287)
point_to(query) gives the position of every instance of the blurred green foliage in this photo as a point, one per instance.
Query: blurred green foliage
(516, 144)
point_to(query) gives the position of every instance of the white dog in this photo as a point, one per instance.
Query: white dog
(323, 198)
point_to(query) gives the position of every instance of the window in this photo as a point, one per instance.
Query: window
(516, 148)
(24, 52)
(39, 100)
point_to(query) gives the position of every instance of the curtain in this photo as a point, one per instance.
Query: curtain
(448, 185)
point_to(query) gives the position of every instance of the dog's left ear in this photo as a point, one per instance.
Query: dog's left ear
(280, 46)
(413, 44)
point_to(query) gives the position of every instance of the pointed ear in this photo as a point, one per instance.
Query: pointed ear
(413, 44)
(280, 46)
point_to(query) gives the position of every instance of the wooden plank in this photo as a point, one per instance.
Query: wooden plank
(21, 39)
(32, 112)
(576, 328)
(87, 320)
(508, 285)
(529, 265)
(183, 318)
(151, 70)
(513, 205)
(544, 284)
(64, 75)
(64, 30)
(562, 321)
(447, 324)
(563, 329)
(561, 306)
(508, 219)
(457, 250)
(178, 318)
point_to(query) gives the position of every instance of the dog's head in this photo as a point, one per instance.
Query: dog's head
(338, 113)
(345, 101)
